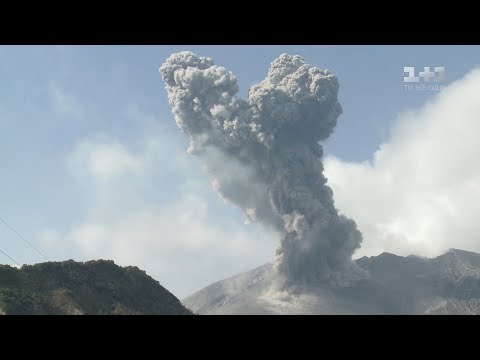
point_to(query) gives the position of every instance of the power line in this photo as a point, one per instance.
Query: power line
(21, 237)
(4, 253)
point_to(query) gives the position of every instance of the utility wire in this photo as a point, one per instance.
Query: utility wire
(21, 237)
(4, 253)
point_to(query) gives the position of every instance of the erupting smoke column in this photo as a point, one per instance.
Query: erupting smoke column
(264, 154)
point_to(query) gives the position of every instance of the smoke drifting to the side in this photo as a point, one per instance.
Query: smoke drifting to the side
(264, 154)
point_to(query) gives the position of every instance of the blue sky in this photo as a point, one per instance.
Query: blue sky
(88, 144)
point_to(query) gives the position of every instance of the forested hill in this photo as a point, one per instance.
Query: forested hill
(76, 288)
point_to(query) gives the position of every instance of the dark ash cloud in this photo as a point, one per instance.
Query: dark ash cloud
(264, 155)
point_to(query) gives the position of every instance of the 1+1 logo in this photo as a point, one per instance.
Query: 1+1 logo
(425, 76)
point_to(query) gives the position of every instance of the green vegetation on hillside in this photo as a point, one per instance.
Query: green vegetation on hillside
(94, 287)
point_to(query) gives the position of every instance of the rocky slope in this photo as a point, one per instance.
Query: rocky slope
(75, 288)
(447, 284)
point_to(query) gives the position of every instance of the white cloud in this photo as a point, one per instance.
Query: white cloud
(155, 209)
(103, 159)
(421, 192)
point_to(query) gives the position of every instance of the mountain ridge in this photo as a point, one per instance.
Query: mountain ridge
(446, 284)
(74, 288)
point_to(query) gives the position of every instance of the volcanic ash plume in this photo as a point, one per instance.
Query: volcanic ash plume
(264, 154)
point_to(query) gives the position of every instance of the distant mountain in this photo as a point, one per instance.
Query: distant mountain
(75, 288)
(447, 284)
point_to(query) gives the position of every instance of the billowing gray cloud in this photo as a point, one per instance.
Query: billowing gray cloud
(264, 154)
